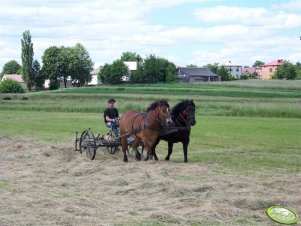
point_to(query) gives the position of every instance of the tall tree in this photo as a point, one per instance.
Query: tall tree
(258, 63)
(170, 72)
(213, 67)
(63, 62)
(136, 76)
(81, 65)
(66, 63)
(286, 71)
(39, 79)
(130, 56)
(191, 65)
(225, 74)
(298, 67)
(11, 67)
(50, 68)
(27, 59)
(104, 74)
(153, 70)
(113, 73)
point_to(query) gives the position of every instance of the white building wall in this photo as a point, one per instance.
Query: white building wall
(235, 70)
(95, 81)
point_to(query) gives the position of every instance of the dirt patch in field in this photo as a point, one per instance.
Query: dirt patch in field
(50, 184)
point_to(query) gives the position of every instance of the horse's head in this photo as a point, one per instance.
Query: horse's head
(186, 110)
(161, 110)
(189, 113)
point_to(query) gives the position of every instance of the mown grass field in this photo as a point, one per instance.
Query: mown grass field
(247, 132)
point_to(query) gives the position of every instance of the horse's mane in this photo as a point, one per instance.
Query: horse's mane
(180, 106)
(154, 105)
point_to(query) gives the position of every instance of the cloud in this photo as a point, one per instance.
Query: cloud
(260, 17)
(108, 28)
(241, 52)
(290, 6)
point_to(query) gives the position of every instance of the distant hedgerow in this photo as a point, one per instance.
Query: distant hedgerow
(10, 86)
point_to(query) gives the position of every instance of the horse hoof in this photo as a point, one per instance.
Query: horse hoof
(167, 159)
(186, 161)
(125, 159)
(138, 157)
(156, 159)
(146, 159)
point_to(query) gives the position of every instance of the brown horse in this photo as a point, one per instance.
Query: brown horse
(145, 126)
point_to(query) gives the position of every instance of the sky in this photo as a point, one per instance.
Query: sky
(183, 31)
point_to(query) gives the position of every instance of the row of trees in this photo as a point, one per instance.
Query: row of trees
(58, 64)
(152, 69)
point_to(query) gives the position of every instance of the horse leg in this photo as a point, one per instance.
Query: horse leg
(134, 146)
(124, 146)
(170, 145)
(147, 157)
(185, 149)
(154, 149)
(148, 147)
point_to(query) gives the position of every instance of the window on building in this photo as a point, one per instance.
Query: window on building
(230, 69)
(271, 70)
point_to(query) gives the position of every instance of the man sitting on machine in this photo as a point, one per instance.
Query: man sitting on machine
(111, 117)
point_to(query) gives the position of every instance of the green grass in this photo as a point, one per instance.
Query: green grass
(244, 126)
(195, 90)
(242, 144)
(48, 126)
(248, 144)
(205, 105)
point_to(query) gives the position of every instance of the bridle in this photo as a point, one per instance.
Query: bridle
(185, 118)
(157, 116)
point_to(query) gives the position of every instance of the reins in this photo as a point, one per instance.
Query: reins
(185, 121)
(178, 120)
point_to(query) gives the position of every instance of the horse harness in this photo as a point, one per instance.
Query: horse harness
(165, 130)
(179, 120)
(142, 124)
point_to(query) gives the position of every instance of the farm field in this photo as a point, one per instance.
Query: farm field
(244, 156)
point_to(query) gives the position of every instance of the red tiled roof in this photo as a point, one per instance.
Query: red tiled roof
(274, 63)
(15, 77)
(249, 69)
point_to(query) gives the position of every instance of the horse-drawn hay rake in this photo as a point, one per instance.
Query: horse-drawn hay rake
(89, 143)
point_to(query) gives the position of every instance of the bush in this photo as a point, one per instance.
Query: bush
(10, 86)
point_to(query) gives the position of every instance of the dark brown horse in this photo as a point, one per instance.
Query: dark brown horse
(145, 126)
(183, 117)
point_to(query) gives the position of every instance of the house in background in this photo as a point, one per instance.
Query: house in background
(132, 65)
(95, 80)
(196, 74)
(268, 69)
(17, 78)
(234, 69)
(251, 70)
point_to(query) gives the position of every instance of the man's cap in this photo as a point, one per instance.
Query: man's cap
(111, 101)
